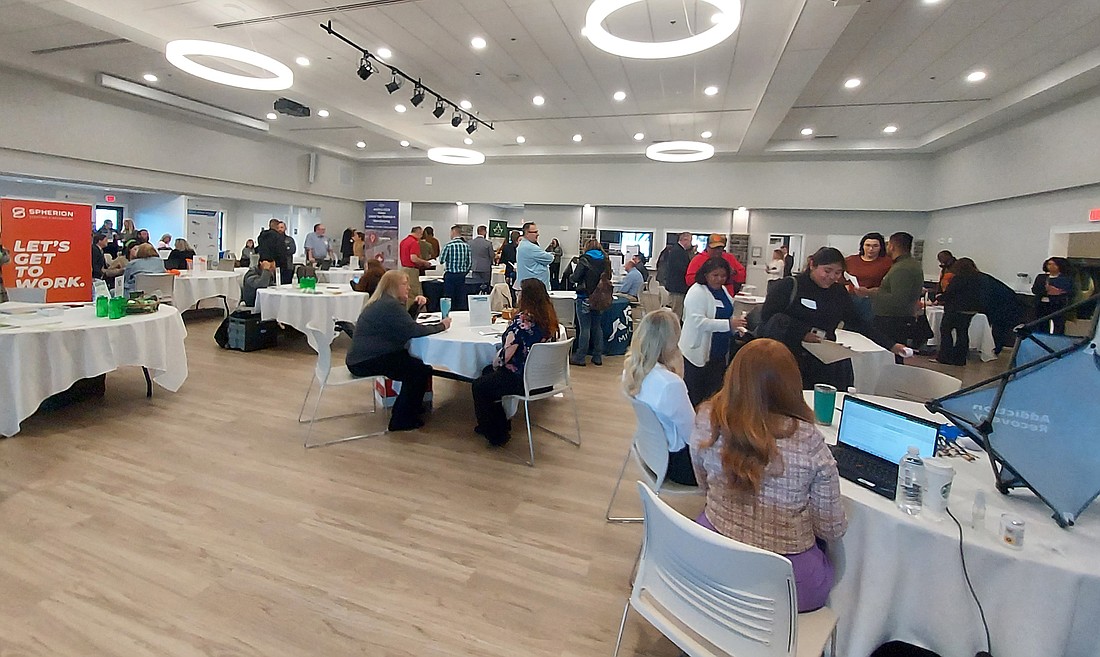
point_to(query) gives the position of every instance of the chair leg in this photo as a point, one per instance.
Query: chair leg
(576, 419)
(615, 492)
(302, 412)
(314, 418)
(148, 383)
(832, 643)
(530, 436)
(622, 627)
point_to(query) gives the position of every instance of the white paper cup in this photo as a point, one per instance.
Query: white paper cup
(939, 475)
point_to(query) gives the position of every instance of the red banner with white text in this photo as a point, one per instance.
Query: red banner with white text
(50, 244)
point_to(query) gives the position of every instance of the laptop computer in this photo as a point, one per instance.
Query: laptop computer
(873, 438)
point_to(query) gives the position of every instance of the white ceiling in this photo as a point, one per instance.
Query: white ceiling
(782, 71)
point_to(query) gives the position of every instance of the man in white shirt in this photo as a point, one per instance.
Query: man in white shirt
(317, 246)
(531, 260)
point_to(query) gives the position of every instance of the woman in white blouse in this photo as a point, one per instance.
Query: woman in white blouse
(654, 376)
(709, 322)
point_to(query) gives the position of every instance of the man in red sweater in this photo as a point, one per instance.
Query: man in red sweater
(716, 246)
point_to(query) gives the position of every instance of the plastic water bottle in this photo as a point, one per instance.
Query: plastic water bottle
(910, 482)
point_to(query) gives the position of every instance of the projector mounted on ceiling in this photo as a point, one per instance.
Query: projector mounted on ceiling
(291, 108)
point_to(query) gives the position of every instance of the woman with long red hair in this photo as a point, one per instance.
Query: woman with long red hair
(769, 478)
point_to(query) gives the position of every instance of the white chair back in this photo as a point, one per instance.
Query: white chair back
(914, 383)
(706, 591)
(27, 294)
(320, 340)
(565, 308)
(650, 443)
(157, 284)
(227, 264)
(547, 366)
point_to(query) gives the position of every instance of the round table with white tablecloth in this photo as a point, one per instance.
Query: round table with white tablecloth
(463, 350)
(42, 356)
(340, 276)
(869, 359)
(191, 287)
(980, 333)
(900, 577)
(298, 308)
(745, 303)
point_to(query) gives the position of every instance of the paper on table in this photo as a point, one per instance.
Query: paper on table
(852, 279)
(828, 352)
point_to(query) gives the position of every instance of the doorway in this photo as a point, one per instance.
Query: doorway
(108, 212)
(794, 248)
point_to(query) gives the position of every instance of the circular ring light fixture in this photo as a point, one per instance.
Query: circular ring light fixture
(180, 52)
(447, 155)
(679, 151)
(599, 10)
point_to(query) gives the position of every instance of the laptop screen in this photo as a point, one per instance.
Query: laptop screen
(884, 432)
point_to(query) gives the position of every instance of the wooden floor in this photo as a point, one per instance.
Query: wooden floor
(195, 523)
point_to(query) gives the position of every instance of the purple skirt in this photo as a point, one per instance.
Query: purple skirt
(813, 572)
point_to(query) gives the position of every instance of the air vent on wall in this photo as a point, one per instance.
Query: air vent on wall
(80, 46)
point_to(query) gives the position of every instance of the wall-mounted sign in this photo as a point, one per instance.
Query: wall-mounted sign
(1094, 214)
(498, 228)
(50, 246)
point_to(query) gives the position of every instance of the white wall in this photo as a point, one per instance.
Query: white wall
(159, 214)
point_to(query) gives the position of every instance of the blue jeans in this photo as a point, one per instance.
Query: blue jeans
(454, 288)
(590, 338)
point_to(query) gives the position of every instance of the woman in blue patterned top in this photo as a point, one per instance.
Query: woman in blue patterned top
(535, 322)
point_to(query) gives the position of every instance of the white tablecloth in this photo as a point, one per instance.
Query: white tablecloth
(899, 577)
(744, 303)
(290, 305)
(498, 274)
(870, 359)
(42, 356)
(338, 276)
(460, 349)
(981, 335)
(188, 289)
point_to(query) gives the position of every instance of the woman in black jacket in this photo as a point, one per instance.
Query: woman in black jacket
(179, 256)
(961, 300)
(379, 348)
(808, 307)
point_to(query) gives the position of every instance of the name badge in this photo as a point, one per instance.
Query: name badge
(809, 303)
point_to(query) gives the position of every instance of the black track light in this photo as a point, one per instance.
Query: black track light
(395, 84)
(365, 69)
(473, 126)
(418, 96)
(456, 120)
(440, 108)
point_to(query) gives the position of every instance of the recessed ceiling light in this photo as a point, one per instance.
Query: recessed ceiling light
(711, 90)
(271, 116)
(538, 100)
(577, 137)
(976, 76)
(465, 104)
(477, 42)
(521, 139)
(360, 144)
(890, 129)
(399, 108)
(638, 136)
(404, 143)
(620, 96)
(149, 77)
(587, 206)
(323, 113)
(707, 134)
(458, 203)
(852, 83)
(385, 53)
(468, 141)
(806, 132)
(302, 61)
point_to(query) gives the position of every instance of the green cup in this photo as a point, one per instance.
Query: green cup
(116, 308)
(824, 403)
(101, 304)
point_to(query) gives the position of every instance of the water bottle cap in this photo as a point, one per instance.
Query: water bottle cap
(914, 450)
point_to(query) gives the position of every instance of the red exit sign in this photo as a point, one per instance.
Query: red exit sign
(1094, 214)
(110, 198)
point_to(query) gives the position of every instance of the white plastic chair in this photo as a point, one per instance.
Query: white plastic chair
(326, 376)
(914, 383)
(547, 372)
(650, 451)
(27, 294)
(712, 595)
(159, 285)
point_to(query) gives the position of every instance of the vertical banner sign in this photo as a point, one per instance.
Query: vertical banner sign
(380, 232)
(51, 247)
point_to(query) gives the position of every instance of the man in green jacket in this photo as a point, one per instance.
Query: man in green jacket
(895, 301)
